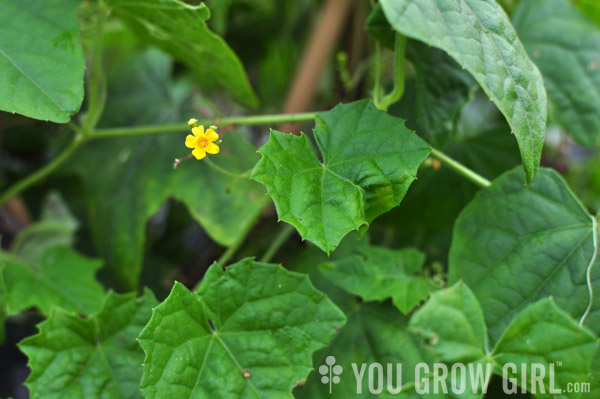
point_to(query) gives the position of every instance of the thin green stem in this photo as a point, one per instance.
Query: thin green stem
(96, 92)
(273, 119)
(229, 253)
(233, 248)
(282, 236)
(460, 168)
(81, 138)
(243, 175)
(398, 91)
(377, 83)
(43, 172)
(240, 120)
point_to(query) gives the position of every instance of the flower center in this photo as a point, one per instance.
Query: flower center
(202, 143)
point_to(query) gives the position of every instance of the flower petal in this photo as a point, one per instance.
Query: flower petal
(212, 148)
(198, 131)
(199, 154)
(211, 135)
(190, 141)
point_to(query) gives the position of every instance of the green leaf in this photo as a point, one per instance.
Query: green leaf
(443, 89)
(137, 172)
(453, 325)
(40, 257)
(369, 161)
(3, 311)
(591, 8)
(93, 358)
(479, 36)
(376, 274)
(452, 321)
(514, 245)
(305, 261)
(61, 277)
(566, 47)
(594, 378)
(56, 227)
(41, 62)
(253, 318)
(546, 335)
(481, 141)
(181, 30)
(374, 333)
(378, 27)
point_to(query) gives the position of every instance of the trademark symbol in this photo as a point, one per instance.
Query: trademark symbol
(559, 363)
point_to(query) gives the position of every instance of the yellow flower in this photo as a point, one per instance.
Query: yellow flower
(202, 142)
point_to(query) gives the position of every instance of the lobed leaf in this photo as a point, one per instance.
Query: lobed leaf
(252, 318)
(376, 274)
(93, 358)
(369, 161)
(61, 277)
(479, 36)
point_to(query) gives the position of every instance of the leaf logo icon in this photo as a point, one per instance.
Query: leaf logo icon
(330, 372)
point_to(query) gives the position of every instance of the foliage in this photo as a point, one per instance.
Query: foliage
(41, 60)
(369, 161)
(483, 46)
(252, 317)
(414, 229)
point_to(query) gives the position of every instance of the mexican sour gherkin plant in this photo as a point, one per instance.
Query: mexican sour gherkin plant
(431, 233)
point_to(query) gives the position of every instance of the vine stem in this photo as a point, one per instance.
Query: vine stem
(43, 172)
(398, 91)
(97, 86)
(377, 82)
(284, 233)
(80, 138)
(272, 119)
(460, 168)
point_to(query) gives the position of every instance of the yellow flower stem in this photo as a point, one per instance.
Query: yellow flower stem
(273, 119)
(242, 175)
